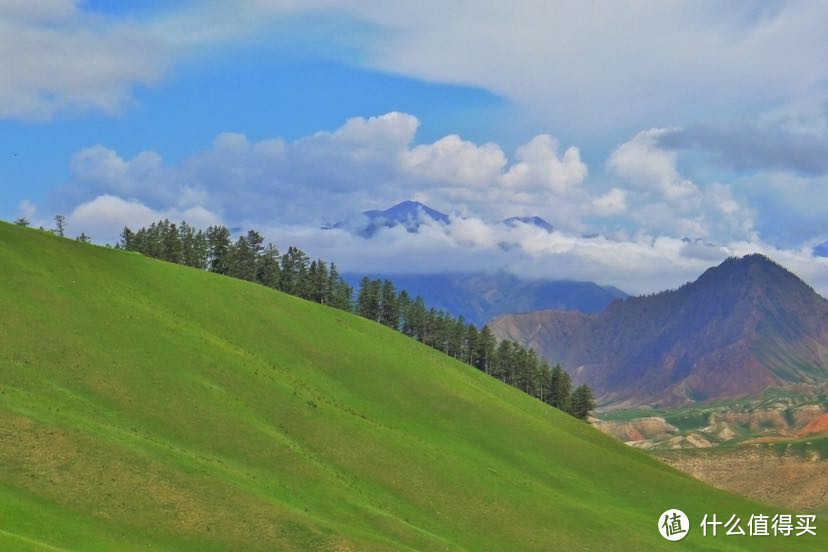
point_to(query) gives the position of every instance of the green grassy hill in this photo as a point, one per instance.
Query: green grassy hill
(144, 405)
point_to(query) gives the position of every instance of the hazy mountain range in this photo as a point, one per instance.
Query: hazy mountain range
(412, 215)
(479, 296)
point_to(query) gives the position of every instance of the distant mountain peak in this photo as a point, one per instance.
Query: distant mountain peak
(406, 211)
(754, 268)
(408, 214)
(533, 221)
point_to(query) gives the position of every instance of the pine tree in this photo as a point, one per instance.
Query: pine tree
(268, 271)
(219, 245)
(170, 242)
(22, 221)
(243, 260)
(255, 241)
(191, 255)
(502, 368)
(561, 387)
(470, 344)
(417, 319)
(368, 301)
(127, 239)
(544, 381)
(581, 402)
(295, 279)
(60, 225)
(486, 344)
(319, 282)
(390, 315)
(456, 336)
(341, 292)
(83, 238)
(201, 250)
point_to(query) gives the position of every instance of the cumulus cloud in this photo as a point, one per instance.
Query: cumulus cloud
(369, 162)
(539, 165)
(57, 57)
(644, 164)
(105, 216)
(452, 159)
(666, 201)
(614, 202)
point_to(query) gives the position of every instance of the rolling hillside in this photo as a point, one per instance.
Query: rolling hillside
(144, 405)
(742, 327)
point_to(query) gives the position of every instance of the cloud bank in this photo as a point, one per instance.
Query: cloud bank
(587, 69)
(643, 227)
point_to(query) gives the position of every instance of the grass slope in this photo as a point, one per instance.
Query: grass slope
(147, 405)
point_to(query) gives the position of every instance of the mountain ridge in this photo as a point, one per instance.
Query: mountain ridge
(749, 314)
(412, 215)
(481, 296)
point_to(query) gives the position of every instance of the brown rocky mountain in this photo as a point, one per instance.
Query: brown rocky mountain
(741, 327)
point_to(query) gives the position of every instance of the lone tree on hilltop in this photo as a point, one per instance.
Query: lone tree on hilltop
(60, 225)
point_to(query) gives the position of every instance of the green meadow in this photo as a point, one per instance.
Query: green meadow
(145, 405)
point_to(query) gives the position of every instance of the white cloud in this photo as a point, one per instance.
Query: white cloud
(585, 71)
(452, 159)
(614, 202)
(564, 63)
(368, 162)
(57, 57)
(642, 264)
(645, 165)
(539, 165)
(660, 199)
(105, 216)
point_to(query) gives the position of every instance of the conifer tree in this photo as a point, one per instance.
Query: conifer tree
(581, 402)
(170, 242)
(127, 239)
(219, 245)
(486, 344)
(60, 225)
(268, 271)
(320, 282)
(390, 315)
(368, 302)
(470, 345)
(561, 387)
(243, 260)
(341, 292)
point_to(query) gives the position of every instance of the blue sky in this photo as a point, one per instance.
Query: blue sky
(680, 133)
